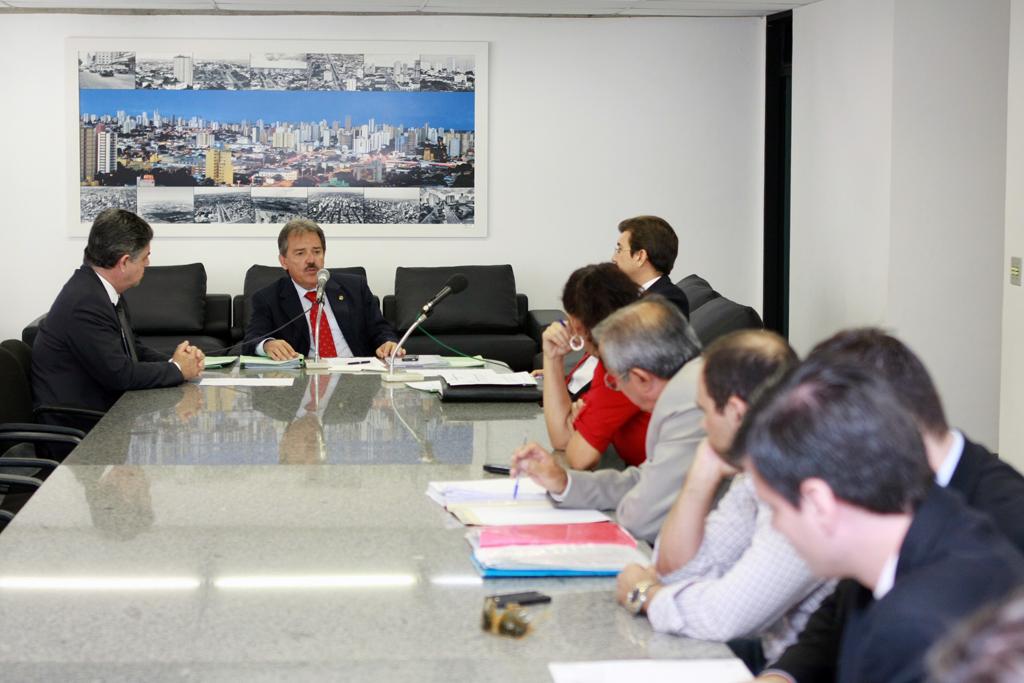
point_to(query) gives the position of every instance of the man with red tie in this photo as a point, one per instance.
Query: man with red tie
(284, 313)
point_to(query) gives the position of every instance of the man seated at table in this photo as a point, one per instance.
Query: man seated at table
(842, 465)
(85, 354)
(646, 252)
(284, 312)
(722, 573)
(987, 484)
(652, 356)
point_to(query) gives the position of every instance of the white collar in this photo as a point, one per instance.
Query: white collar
(945, 472)
(300, 289)
(887, 579)
(647, 285)
(111, 292)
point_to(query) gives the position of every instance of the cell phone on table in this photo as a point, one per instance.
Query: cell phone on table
(526, 598)
(409, 359)
(497, 469)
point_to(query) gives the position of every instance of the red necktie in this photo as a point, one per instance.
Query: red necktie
(326, 343)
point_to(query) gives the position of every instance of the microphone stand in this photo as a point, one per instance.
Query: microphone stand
(317, 364)
(393, 376)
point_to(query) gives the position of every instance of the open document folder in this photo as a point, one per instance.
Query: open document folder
(489, 502)
(596, 549)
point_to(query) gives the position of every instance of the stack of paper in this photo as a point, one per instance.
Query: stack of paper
(218, 361)
(257, 362)
(597, 549)
(465, 378)
(483, 491)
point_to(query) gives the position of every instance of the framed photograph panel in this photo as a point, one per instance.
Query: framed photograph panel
(235, 137)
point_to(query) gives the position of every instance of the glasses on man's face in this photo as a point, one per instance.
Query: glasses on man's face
(614, 382)
(509, 620)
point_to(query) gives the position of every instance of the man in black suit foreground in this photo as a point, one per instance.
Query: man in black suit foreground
(842, 465)
(986, 483)
(646, 252)
(85, 354)
(281, 324)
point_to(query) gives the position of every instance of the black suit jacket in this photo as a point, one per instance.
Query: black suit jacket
(670, 291)
(78, 357)
(986, 483)
(952, 562)
(349, 296)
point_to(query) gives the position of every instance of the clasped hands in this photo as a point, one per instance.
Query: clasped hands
(189, 359)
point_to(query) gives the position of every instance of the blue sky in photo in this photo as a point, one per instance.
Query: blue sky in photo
(453, 110)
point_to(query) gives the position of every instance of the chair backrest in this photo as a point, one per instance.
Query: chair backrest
(258, 277)
(488, 303)
(21, 351)
(697, 290)
(169, 300)
(15, 390)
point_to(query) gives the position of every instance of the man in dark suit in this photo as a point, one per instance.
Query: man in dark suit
(283, 313)
(985, 482)
(843, 467)
(646, 252)
(85, 354)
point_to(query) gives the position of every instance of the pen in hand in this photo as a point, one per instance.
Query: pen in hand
(519, 470)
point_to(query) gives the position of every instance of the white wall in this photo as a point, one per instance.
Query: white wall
(899, 173)
(1011, 424)
(590, 121)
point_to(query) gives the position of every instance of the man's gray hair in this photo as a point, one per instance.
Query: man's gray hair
(298, 226)
(651, 334)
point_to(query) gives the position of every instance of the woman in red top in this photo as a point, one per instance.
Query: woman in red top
(602, 417)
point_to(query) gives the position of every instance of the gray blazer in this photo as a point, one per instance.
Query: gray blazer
(642, 496)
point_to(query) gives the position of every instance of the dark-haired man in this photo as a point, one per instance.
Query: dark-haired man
(646, 252)
(842, 465)
(85, 354)
(722, 573)
(986, 483)
(652, 356)
(283, 313)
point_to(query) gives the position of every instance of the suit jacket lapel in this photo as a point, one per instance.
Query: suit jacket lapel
(292, 307)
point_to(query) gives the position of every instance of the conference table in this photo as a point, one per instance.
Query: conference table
(283, 532)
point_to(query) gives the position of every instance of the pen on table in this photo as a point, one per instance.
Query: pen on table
(515, 489)
(358, 362)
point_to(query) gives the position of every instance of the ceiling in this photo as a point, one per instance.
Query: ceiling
(534, 8)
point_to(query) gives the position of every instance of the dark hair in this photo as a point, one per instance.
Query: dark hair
(986, 648)
(738, 363)
(299, 226)
(895, 363)
(837, 422)
(651, 334)
(655, 236)
(114, 233)
(594, 292)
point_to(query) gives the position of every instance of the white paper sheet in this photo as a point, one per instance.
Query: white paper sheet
(462, 378)
(354, 364)
(430, 385)
(729, 670)
(485, 490)
(246, 381)
(521, 512)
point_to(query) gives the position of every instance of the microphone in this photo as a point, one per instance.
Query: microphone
(456, 283)
(322, 276)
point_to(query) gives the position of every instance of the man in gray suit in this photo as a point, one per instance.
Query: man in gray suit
(650, 354)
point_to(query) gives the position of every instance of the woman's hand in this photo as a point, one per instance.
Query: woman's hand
(555, 341)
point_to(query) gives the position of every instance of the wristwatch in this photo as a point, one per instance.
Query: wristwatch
(637, 597)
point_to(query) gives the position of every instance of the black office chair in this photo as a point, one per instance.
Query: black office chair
(22, 435)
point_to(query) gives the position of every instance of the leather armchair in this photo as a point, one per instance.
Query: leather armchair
(488, 318)
(713, 315)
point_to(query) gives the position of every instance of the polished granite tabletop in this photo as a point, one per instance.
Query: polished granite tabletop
(166, 548)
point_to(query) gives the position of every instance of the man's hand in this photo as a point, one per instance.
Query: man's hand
(709, 463)
(189, 360)
(555, 341)
(385, 349)
(630, 577)
(279, 349)
(540, 466)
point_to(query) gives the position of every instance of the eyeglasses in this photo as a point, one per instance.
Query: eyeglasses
(510, 620)
(614, 382)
